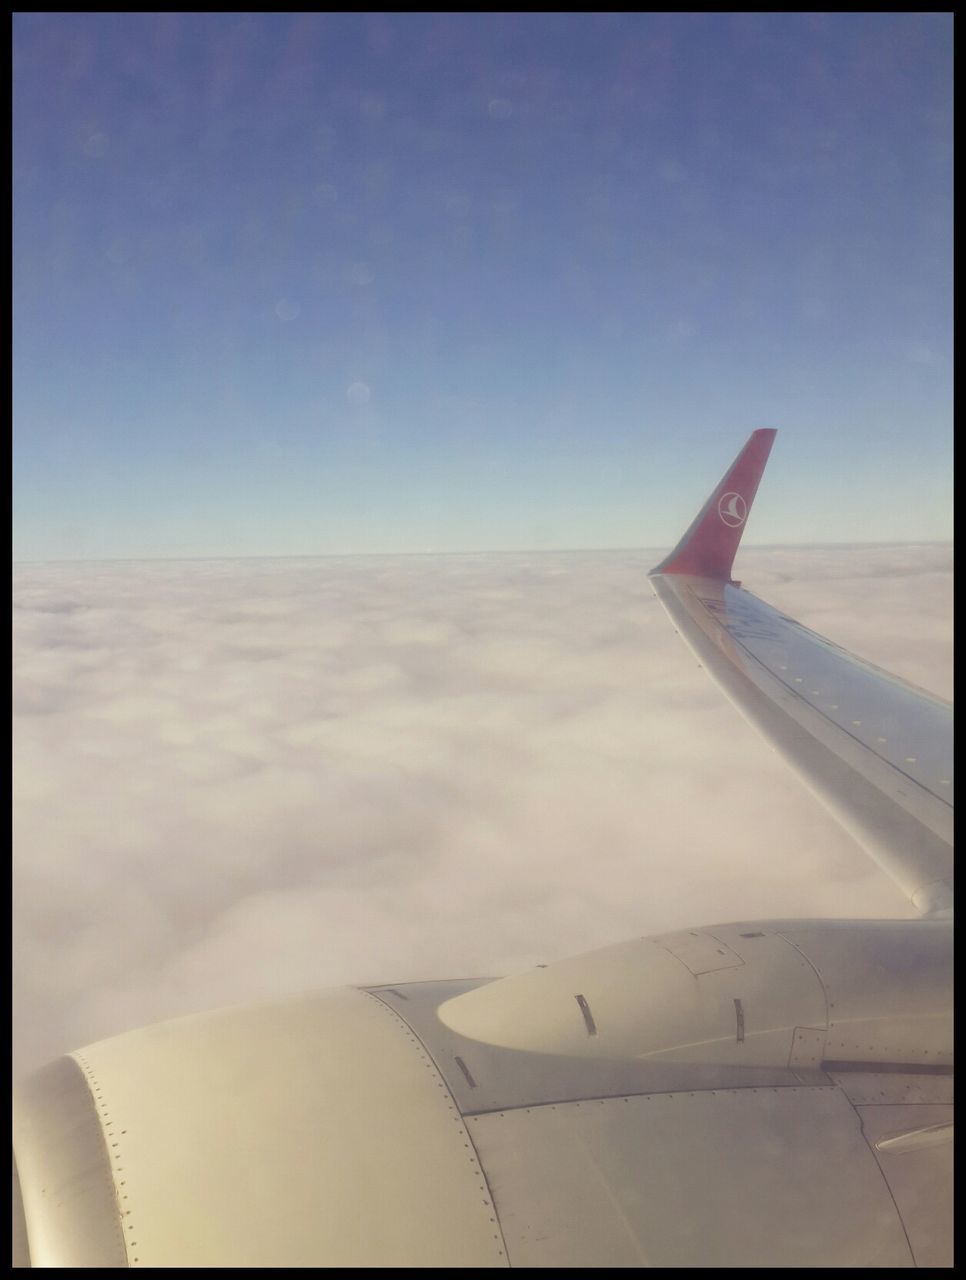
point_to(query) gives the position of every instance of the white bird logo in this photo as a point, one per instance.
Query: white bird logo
(732, 509)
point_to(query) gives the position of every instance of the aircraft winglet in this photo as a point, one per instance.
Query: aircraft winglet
(708, 548)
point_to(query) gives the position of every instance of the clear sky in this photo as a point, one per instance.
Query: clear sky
(304, 283)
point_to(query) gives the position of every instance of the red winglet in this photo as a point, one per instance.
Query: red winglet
(708, 548)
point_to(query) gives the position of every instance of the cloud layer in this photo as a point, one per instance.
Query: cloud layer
(237, 779)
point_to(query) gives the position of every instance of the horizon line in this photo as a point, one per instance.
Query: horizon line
(505, 551)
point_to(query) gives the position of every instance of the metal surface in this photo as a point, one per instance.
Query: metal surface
(920, 1138)
(328, 1131)
(758, 1178)
(872, 1087)
(888, 984)
(70, 1200)
(650, 1004)
(505, 1077)
(875, 750)
(920, 1177)
(310, 1133)
(859, 991)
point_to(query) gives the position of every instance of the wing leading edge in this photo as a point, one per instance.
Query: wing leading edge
(876, 750)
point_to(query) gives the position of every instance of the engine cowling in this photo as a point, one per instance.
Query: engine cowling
(748, 1094)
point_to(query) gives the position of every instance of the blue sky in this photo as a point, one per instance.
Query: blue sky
(305, 283)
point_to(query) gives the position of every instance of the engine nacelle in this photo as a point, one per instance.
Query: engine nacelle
(770, 1094)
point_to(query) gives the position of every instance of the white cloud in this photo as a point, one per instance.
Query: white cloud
(236, 779)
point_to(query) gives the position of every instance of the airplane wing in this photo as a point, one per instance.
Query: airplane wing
(875, 749)
(759, 1093)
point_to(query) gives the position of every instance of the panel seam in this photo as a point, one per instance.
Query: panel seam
(458, 1117)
